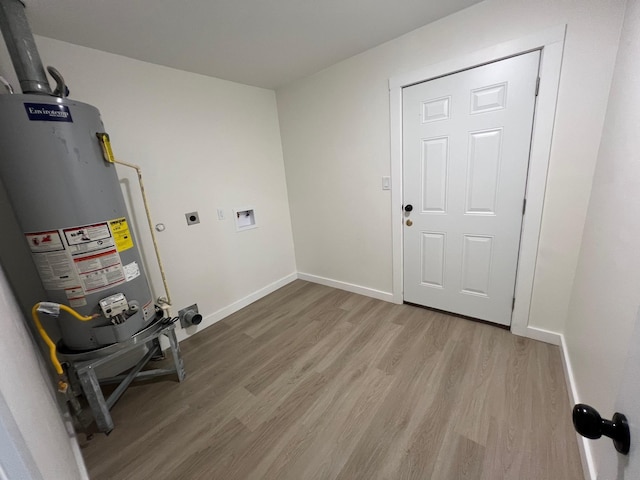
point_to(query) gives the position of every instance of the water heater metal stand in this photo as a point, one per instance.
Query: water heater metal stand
(83, 378)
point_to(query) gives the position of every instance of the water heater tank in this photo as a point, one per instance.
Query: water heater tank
(70, 206)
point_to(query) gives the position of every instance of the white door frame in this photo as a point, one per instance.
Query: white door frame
(551, 44)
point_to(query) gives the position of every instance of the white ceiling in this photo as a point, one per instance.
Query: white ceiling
(266, 43)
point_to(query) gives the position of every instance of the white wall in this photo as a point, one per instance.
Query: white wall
(28, 409)
(203, 144)
(335, 134)
(606, 294)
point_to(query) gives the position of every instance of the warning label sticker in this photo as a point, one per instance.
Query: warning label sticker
(99, 271)
(84, 259)
(55, 269)
(131, 271)
(88, 238)
(76, 297)
(45, 241)
(121, 234)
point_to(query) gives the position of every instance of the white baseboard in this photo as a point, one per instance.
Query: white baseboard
(224, 312)
(349, 287)
(75, 447)
(584, 447)
(539, 334)
(554, 338)
(534, 333)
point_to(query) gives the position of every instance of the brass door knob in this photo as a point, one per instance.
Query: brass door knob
(409, 223)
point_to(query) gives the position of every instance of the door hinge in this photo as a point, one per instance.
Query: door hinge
(537, 86)
(524, 205)
(513, 304)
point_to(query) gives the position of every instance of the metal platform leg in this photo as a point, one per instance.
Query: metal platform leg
(95, 398)
(84, 368)
(155, 343)
(175, 353)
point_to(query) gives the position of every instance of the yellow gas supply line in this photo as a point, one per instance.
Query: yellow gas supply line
(53, 309)
(107, 152)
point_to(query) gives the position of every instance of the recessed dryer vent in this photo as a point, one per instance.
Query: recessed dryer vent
(245, 218)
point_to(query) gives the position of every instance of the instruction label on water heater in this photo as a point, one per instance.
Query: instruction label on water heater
(88, 238)
(99, 271)
(52, 260)
(95, 257)
(83, 260)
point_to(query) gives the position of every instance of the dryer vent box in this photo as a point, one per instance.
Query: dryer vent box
(245, 218)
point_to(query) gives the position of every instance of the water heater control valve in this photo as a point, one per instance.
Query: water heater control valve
(114, 305)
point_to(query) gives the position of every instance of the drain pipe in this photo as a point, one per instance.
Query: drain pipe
(22, 48)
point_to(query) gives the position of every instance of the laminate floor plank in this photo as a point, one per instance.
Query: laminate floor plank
(314, 383)
(317, 329)
(428, 438)
(297, 368)
(316, 430)
(462, 462)
(347, 369)
(475, 409)
(402, 411)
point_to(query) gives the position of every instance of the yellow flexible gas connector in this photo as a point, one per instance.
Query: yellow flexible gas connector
(109, 157)
(56, 307)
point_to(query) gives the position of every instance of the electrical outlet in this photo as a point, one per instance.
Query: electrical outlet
(192, 218)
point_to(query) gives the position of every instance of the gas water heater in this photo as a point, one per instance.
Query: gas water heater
(68, 202)
(59, 174)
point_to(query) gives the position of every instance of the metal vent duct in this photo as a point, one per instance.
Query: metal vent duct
(22, 48)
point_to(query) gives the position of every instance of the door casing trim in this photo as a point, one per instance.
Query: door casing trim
(551, 44)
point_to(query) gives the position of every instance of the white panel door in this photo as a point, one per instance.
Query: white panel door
(627, 403)
(466, 140)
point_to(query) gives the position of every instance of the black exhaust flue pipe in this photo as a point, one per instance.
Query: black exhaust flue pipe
(22, 48)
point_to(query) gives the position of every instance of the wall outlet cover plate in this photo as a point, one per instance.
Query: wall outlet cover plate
(192, 218)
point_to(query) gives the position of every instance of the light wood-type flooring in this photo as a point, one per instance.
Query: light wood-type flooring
(316, 383)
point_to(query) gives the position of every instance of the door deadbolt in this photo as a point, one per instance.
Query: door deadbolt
(409, 223)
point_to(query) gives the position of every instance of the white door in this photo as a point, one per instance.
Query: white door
(466, 140)
(613, 465)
